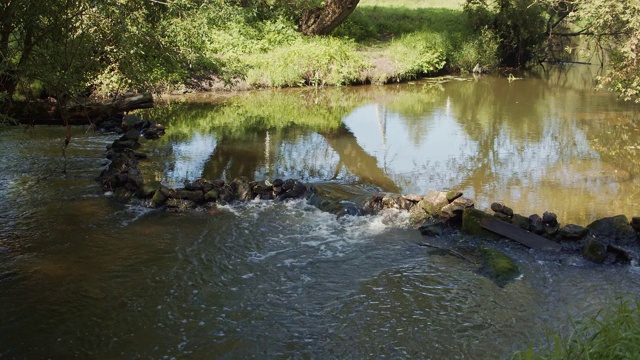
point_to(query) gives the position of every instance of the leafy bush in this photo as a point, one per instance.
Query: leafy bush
(519, 24)
(481, 49)
(418, 54)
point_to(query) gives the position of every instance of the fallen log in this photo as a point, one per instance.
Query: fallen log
(50, 113)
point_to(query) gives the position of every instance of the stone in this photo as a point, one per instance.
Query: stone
(121, 145)
(594, 251)
(149, 189)
(613, 230)
(154, 131)
(502, 209)
(131, 122)
(536, 225)
(452, 195)
(471, 223)
(619, 255)
(432, 227)
(211, 195)
(226, 195)
(549, 218)
(453, 212)
(412, 197)
(159, 198)
(132, 135)
(573, 232)
(196, 196)
(521, 221)
(502, 216)
(497, 266)
(434, 201)
(180, 204)
(242, 188)
(417, 216)
(635, 223)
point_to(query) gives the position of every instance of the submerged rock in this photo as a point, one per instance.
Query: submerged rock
(497, 266)
(594, 251)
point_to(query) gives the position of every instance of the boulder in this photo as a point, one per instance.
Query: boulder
(497, 266)
(453, 212)
(573, 232)
(635, 223)
(536, 225)
(131, 135)
(594, 251)
(453, 195)
(160, 196)
(434, 201)
(196, 196)
(613, 230)
(149, 189)
(550, 219)
(242, 188)
(619, 255)
(131, 122)
(502, 209)
(180, 204)
(432, 227)
(471, 223)
(212, 195)
(417, 216)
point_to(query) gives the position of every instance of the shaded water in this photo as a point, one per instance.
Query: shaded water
(82, 276)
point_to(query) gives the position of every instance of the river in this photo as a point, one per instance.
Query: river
(83, 276)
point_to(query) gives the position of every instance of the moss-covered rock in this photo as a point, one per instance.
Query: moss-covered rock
(497, 266)
(471, 223)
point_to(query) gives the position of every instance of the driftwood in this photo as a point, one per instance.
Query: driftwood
(520, 235)
(49, 112)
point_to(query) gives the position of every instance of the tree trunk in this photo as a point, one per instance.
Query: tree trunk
(322, 20)
(46, 113)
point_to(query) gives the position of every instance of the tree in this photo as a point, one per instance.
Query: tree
(536, 29)
(322, 20)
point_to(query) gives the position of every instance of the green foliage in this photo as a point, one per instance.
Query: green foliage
(482, 50)
(417, 54)
(519, 24)
(308, 61)
(609, 334)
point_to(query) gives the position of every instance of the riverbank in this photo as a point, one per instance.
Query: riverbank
(381, 42)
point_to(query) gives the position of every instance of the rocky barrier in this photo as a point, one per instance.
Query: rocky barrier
(611, 240)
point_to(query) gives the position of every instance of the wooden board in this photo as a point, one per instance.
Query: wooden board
(520, 235)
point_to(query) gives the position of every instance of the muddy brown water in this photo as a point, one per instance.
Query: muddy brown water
(82, 276)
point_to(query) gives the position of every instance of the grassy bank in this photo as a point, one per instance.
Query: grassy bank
(612, 333)
(382, 41)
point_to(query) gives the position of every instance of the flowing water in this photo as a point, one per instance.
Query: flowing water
(83, 276)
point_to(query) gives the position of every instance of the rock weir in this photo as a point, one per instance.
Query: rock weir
(612, 240)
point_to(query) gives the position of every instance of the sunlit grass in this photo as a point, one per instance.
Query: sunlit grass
(610, 334)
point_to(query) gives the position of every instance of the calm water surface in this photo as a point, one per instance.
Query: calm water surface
(82, 276)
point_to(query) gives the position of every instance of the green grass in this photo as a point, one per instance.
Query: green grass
(609, 334)
(415, 4)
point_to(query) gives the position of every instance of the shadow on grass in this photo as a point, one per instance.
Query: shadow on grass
(370, 24)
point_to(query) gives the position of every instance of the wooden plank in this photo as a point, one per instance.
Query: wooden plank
(519, 234)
